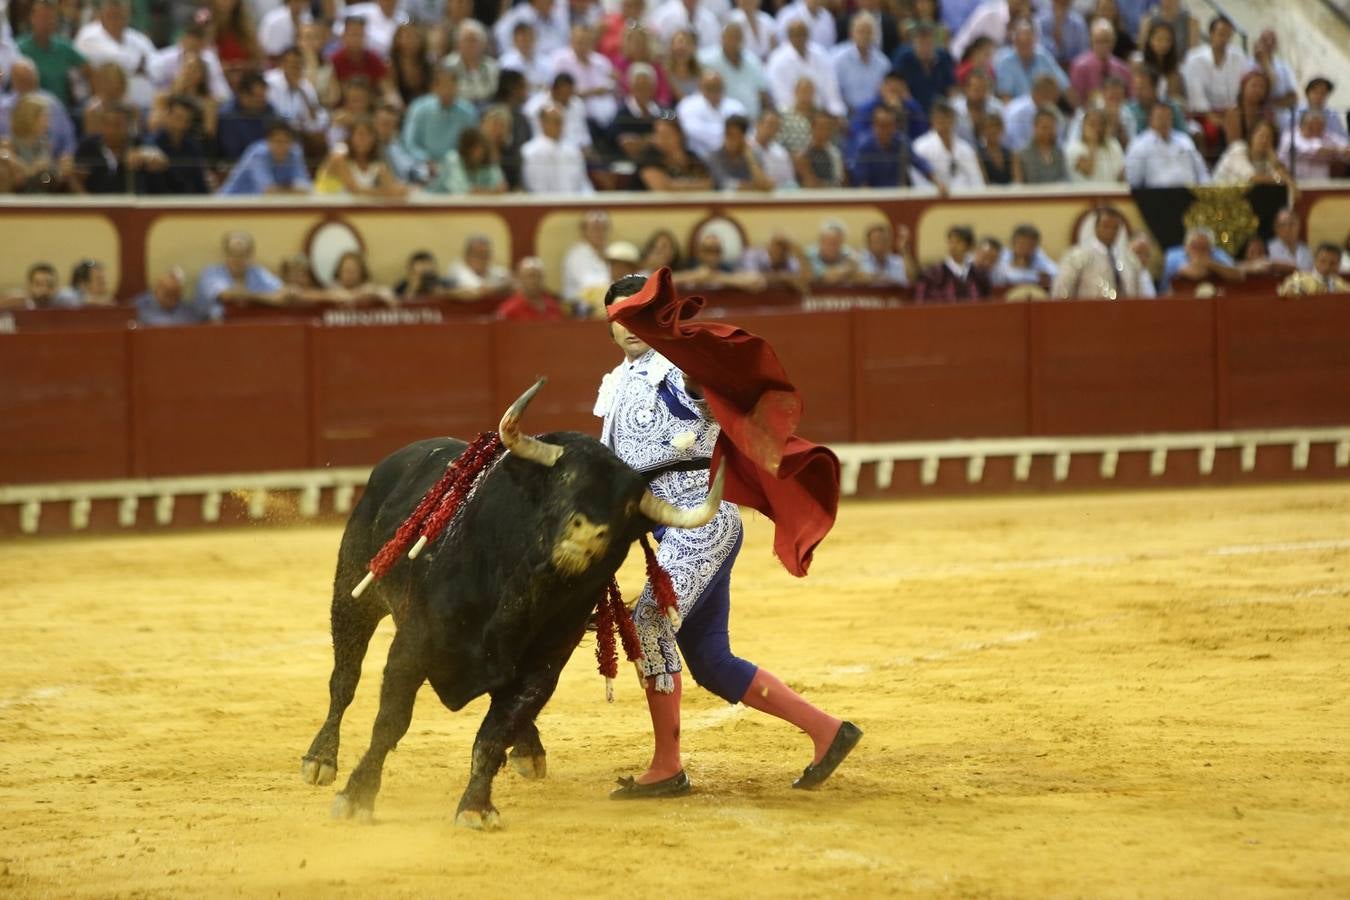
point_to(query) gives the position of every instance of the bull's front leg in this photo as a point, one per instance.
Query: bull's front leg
(527, 752)
(511, 709)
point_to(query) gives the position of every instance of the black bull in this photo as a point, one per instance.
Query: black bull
(495, 606)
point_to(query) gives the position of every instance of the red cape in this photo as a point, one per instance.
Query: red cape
(768, 467)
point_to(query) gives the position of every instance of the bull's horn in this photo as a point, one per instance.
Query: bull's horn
(523, 445)
(663, 513)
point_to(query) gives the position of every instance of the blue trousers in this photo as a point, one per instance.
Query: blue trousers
(705, 641)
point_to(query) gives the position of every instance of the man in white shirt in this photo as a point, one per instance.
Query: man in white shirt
(1285, 247)
(293, 97)
(975, 104)
(164, 65)
(550, 30)
(759, 28)
(703, 115)
(742, 73)
(990, 19)
(476, 272)
(563, 96)
(584, 264)
(110, 39)
(1101, 268)
(859, 66)
(684, 15)
(817, 17)
(549, 165)
(1162, 157)
(524, 58)
(280, 28)
(800, 58)
(1213, 72)
(1314, 148)
(953, 161)
(772, 156)
(1283, 87)
(593, 73)
(382, 19)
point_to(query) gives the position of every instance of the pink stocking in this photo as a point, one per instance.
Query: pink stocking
(768, 694)
(665, 713)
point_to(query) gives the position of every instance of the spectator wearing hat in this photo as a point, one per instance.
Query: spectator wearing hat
(273, 165)
(531, 301)
(1315, 96)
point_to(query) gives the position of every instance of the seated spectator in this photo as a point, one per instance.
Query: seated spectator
(1253, 106)
(353, 58)
(1316, 94)
(1100, 268)
(1161, 157)
(894, 95)
(244, 120)
(1092, 67)
(319, 68)
(1313, 147)
(1323, 279)
(1163, 51)
(1212, 73)
(773, 157)
(781, 263)
(548, 164)
(54, 56)
(989, 19)
(1144, 84)
(476, 275)
(512, 92)
(166, 67)
(974, 105)
(1023, 261)
(661, 249)
(977, 57)
(434, 123)
(1285, 247)
(1095, 157)
(273, 165)
(832, 260)
(163, 303)
(389, 138)
(986, 256)
(821, 165)
(1141, 249)
(1283, 88)
(956, 278)
(703, 116)
(593, 74)
(1019, 116)
(476, 72)
(471, 169)
(883, 158)
(815, 14)
(32, 166)
(531, 301)
(352, 282)
(354, 168)
(190, 83)
(108, 87)
(186, 169)
(795, 132)
(668, 165)
(995, 159)
(759, 28)
(110, 162)
(358, 102)
(623, 257)
(294, 98)
(885, 260)
(1118, 122)
(1018, 65)
(1252, 161)
(711, 270)
(88, 287)
(680, 65)
(742, 72)
(237, 279)
(410, 62)
(1064, 32)
(668, 18)
(1041, 161)
(584, 265)
(421, 278)
(859, 64)
(296, 273)
(733, 166)
(798, 58)
(40, 289)
(638, 47)
(108, 38)
(23, 82)
(279, 28)
(631, 130)
(1197, 259)
(953, 162)
(562, 95)
(928, 69)
(524, 57)
(550, 35)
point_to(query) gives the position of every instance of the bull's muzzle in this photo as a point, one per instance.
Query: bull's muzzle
(579, 545)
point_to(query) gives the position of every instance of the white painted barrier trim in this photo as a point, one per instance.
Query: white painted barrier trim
(852, 457)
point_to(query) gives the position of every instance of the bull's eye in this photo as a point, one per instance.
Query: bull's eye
(567, 477)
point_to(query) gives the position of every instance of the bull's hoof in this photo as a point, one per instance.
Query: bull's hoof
(346, 808)
(317, 772)
(479, 819)
(531, 767)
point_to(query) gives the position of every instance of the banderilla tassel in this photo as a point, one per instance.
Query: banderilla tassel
(662, 589)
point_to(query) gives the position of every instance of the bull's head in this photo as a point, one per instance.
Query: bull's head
(601, 499)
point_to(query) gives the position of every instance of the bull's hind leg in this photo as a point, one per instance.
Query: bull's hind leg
(354, 621)
(404, 673)
(527, 753)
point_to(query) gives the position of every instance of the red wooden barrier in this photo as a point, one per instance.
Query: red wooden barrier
(228, 399)
(64, 406)
(574, 356)
(1122, 368)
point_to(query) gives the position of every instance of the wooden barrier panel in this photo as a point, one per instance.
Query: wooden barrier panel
(1284, 362)
(940, 372)
(574, 356)
(64, 406)
(377, 388)
(1122, 368)
(224, 399)
(816, 349)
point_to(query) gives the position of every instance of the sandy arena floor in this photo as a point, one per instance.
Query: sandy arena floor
(1126, 695)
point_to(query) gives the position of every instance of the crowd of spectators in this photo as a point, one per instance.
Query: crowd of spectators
(386, 97)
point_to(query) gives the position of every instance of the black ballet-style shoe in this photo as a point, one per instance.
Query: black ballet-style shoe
(845, 739)
(676, 785)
